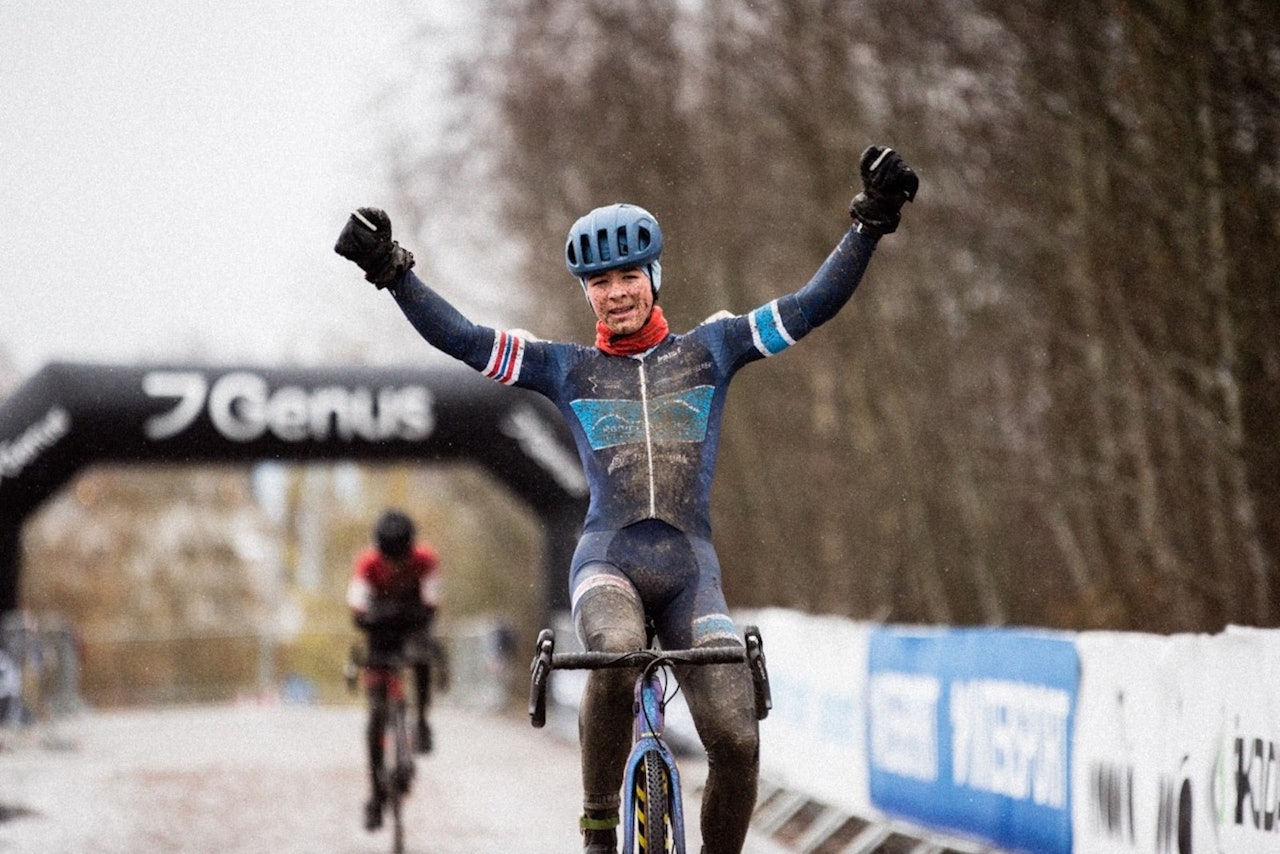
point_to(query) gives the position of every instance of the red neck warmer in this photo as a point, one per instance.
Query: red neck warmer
(651, 334)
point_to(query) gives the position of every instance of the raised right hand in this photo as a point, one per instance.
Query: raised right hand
(366, 240)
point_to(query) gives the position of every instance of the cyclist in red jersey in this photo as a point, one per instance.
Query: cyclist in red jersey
(394, 595)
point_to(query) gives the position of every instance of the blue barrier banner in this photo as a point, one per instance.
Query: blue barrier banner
(969, 730)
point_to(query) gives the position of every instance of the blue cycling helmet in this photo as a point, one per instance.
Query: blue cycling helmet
(611, 237)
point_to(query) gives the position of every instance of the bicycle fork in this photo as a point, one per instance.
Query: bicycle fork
(659, 806)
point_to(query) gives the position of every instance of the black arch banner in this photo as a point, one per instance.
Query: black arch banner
(72, 415)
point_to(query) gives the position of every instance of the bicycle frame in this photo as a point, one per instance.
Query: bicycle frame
(397, 770)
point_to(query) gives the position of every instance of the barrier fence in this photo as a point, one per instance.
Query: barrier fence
(881, 739)
(49, 670)
(1025, 740)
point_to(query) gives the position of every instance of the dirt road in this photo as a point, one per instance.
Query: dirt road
(284, 780)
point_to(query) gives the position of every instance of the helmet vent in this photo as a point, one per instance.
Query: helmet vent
(623, 250)
(642, 236)
(602, 241)
(586, 249)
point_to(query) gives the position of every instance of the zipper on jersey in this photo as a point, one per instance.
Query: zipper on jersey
(648, 439)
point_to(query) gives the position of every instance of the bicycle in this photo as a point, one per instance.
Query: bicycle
(398, 770)
(653, 811)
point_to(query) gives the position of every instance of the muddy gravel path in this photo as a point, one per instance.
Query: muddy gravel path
(282, 779)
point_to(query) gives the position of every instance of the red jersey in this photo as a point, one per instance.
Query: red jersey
(374, 577)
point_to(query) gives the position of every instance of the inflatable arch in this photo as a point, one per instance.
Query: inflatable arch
(68, 416)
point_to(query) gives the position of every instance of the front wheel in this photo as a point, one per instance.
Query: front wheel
(653, 805)
(403, 770)
(400, 776)
(397, 824)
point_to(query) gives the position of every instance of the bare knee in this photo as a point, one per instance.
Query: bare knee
(608, 615)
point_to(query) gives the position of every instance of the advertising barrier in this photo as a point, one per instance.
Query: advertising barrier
(970, 731)
(1030, 741)
(1128, 792)
(1178, 743)
(812, 741)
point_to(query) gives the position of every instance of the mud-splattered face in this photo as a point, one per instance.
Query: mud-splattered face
(622, 299)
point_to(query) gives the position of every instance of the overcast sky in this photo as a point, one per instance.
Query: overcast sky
(173, 176)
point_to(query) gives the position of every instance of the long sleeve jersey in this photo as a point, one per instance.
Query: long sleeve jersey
(647, 427)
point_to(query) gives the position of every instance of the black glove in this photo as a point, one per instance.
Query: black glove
(366, 239)
(887, 183)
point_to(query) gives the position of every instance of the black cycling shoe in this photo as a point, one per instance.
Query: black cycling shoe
(373, 813)
(425, 742)
(600, 842)
(599, 835)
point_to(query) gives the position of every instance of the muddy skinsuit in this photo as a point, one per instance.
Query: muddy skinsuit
(647, 428)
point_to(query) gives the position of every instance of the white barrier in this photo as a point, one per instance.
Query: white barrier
(1172, 742)
(1177, 742)
(814, 739)
(1022, 740)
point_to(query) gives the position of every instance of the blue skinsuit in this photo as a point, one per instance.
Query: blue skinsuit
(647, 427)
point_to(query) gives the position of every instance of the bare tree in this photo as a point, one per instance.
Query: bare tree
(1054, 401)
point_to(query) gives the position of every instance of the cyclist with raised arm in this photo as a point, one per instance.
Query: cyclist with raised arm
(394, 595)
(644, 406)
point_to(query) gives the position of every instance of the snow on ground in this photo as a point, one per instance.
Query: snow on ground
(284, 780)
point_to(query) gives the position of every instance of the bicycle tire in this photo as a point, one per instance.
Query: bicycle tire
(397, 824)
(400, 773)
(653, 805)
(404, 767)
